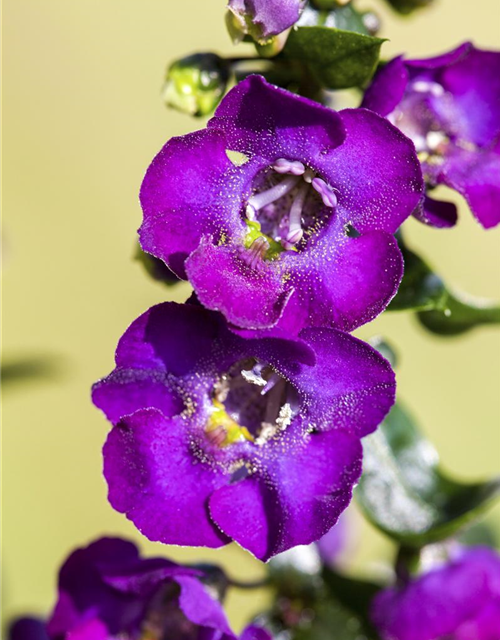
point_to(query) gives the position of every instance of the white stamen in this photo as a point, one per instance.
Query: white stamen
(435, 139)
(294, 167)
(274, 193)
(274, 378)
(254, 377)
(274, 401)
(295, 231)
(427, 86)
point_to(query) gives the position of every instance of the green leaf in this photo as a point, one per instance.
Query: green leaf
(405, 494)
(421, 289)
(347, 18)
(458, 314)
(337, 59)
(355, 595)
(312, 599)
(441, 309)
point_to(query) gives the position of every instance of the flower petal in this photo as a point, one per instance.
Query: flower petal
(387, 88)
(260, 119)
(352, 386)
(156, 480)
(271, 18)
(127, 390)
(375, 171)
(191, 188)
(255, 633)
(28, 629)
(295, 498)
(442, 60)
(326, 277)
(249, 297)
(438, 603)
(474, 82)
(203, 610)
(437, 213)
(476, 175)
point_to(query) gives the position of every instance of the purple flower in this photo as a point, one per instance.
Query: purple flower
(218, 437)
(333, 545)
(28, 629)
(281, 212)
(458, 601)
(262, 19)
(450, 107)
(107, 591)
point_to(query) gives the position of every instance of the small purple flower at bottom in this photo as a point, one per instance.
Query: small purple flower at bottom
(108, 592)
(221, 438)
(281, 213)
(450, 107)
(458, 601)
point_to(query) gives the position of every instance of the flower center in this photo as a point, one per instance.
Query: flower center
(164, 618)
(251, 402)
(427, 115)
(289, 203)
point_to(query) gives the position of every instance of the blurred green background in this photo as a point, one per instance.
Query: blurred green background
(82, 120)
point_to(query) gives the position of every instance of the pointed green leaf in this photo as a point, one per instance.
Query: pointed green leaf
(339, 17)
(459, 313)
(403, 491)
(337, 59)
(440, 308)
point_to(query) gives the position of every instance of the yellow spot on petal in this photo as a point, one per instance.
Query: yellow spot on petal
(237, 158)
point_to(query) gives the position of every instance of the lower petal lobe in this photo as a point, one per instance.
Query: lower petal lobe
(476, 176)
(156, 480)
(295, 498)
(249, 297)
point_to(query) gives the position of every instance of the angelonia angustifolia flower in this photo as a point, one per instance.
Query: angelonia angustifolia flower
(219, 438)
(450, 107)
(281, 213)
(262, 19)
(108, 592)
(196, 84)
(457, 601)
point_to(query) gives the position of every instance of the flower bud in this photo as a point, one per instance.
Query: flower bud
(196, 84)
(260, 20)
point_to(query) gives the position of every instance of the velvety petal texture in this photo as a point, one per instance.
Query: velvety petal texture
(295, 499)
(450, 106)
(457, 601)
(265, 446)
(107, 591)
(156, 480)
(282, 208)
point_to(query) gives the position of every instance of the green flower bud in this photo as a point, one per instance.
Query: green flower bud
(196, 84)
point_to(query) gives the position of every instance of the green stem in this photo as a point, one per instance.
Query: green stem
(407, 563)
(256, 584)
